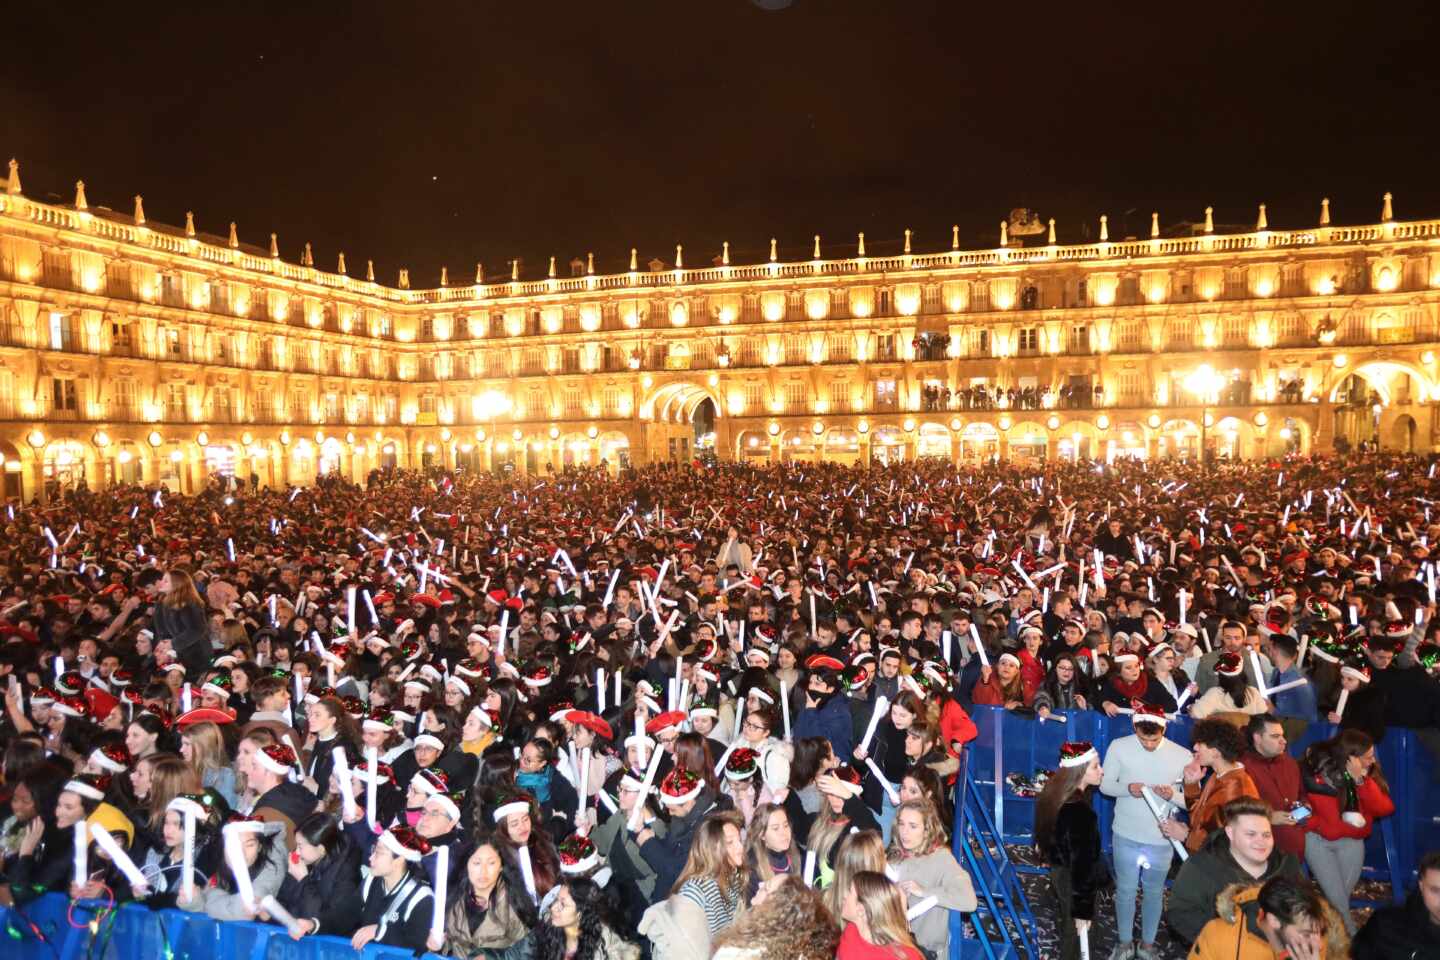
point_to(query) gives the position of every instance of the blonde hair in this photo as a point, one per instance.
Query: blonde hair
(792, 924)
(170, 776)
(262, 737)
(182, 590)
(708, 859)
(884, 907)
(933, 839)
(862, 852)
(207, 748)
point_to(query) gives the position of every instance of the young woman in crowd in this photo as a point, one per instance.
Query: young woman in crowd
(1231, 693)
(203, 747)
(322, 878)
(873, 912)
(157, 779)
(1003, 686)
(716, 877)
(487, 913)
(1065, 688)
(1347, 793)
(855, 853)
(576, 924)
(787, 921)
(1067, 835)
(925, 867)
(771, 848)
(164, 865)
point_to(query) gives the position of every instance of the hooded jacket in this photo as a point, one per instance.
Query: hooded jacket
(1398, 933)
(1206, 874)
(1234, 934)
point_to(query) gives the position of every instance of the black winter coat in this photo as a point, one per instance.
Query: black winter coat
(328, 892)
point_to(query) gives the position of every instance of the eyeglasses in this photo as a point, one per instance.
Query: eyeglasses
(756, 727)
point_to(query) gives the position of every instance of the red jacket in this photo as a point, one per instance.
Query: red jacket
(1325, 802)
(1278, 780)
(956, 726)
(991, 695)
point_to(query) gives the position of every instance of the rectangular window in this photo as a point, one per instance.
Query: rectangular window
(64, 395)
(750, 352)
(332, 406)
(123, 404)
(1027, 340)
(885, 346)
(980, 342)
(572, 403)
(754, 398)
(794, 397)
(59, 331)
(884, 394)
(570, 360)
(839, 396)
(175, 402)
(1079, 341)
(839, 347)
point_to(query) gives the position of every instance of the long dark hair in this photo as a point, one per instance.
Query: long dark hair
(1062, 787)
(511, 883)
(225, 879)
(1326, 760)
(595, 915)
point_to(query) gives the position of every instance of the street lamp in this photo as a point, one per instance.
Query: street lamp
(1204, 382)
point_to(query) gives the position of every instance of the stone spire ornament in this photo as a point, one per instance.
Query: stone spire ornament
(590, 263)
(1155, 224)
(679, 257)
(307, 258)
(479, 272)
(816, 254)
(955, 236)
(1051, 238)
(1209, 219)
(1387, 212)
(1325, 212)
(907, 240)
(404, 278)
(274, 247)
(370, 271)
(861, 252)
(514, 270)
(12, 185)
(1261, 222)
(80, 201)
(139, 211)
(772, 249)
(340, 268)
(551, 272)
(1104, 228)
(190, 226)
(1004, 233)
(633, 267)
(725, 253)
(444, 276)
(234, 237)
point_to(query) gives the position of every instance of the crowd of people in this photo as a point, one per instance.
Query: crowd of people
(686, 712)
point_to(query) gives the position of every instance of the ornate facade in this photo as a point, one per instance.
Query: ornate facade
(133, 351)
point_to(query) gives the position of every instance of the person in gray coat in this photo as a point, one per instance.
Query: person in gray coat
(264, 850)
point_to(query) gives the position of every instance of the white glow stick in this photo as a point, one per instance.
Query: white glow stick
(1184, 696)
(235, 856)
(82, 854)
(881, 706)
(1084, 930)
(372, 783)
(350, 608)
(645, 788)
(59, 666)
(528, 871)
(187, 883)
(1340, 704)
(582, 776)
(600, 690)
(442, 880)
(272, 906)
(370, 605)
(344, 781)
(118, 856)
(1259, 675)
(186, 698)
(920, 907)
(785, 707)
(504, 629)
(945, 646)
(812, 613)
(230, 548)
(1184, 599)
(1289, 685)
(979, 647)
(1023, 575)
(809, 868)
(619, 694)
(1153, 802)
(889, 787)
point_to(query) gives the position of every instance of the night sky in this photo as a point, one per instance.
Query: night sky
(422, 134)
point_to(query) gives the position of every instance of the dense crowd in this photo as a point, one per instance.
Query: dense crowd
(690, 712)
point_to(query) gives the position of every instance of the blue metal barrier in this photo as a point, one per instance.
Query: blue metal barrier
(43, 930)
(1008, 742)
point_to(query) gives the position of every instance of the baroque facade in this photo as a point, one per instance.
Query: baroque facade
(134, 351)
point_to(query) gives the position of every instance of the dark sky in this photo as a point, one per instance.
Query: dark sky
(421, 134)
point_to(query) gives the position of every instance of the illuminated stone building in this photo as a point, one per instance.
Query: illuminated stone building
(135, 351)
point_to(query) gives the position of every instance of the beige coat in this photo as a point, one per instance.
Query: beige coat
(677, 929)
(501, 928)
(939, 876)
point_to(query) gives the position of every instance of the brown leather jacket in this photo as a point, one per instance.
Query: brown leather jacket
(1204, 804)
